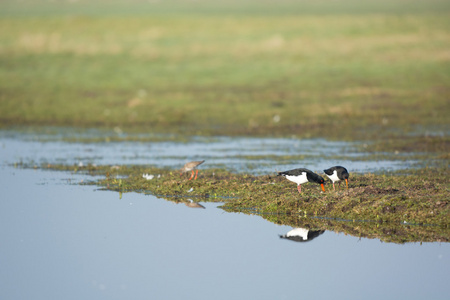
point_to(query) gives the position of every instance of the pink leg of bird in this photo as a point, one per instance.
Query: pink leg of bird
(196, 173)
(192, 175)
(299, 188)
(333, 186)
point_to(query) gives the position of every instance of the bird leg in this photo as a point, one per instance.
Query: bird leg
(333, 187)
(192, 175)
(299, 188)
(196, 173)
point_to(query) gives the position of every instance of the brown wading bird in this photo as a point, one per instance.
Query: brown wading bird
(302, 175)
(190, 166)
(337, 173)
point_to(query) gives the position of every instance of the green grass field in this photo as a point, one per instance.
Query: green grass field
(334, 69)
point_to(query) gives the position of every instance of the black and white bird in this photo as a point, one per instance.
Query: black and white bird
(337, 173)
(302, 175)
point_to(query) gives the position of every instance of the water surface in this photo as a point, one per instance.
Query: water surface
(65, 241)
(61, 240)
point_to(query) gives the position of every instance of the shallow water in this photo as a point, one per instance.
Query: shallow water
(255, 155)
(61, 240)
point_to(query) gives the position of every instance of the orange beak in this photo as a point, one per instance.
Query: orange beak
(346, 181)
(323, 188)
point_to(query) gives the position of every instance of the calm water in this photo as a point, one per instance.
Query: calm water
(61, 240)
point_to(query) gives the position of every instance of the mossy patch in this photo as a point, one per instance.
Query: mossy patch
(419, 197)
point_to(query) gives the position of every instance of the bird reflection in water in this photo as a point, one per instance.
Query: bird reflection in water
(192, 204)
(302, 234)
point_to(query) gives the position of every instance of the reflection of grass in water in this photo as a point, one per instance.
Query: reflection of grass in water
(390, 232)
(347, 76)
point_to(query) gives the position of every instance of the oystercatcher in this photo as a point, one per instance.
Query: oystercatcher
(302, 175)
(190, 166)
(337, 173)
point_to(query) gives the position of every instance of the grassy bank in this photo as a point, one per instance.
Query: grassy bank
(409, 206)
(418, 197)
(310, 69)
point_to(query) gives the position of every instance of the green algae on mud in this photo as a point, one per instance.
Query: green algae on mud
(414, 196)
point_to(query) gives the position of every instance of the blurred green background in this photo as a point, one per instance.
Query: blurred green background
(341, 69)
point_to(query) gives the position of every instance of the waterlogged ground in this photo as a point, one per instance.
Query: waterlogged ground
(238, 154)
(75, 241)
